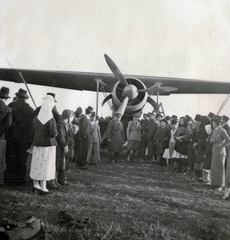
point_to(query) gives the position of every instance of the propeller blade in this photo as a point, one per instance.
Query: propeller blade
(115, 70)
(123, 105)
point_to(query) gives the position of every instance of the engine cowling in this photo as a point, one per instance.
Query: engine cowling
(137, 100)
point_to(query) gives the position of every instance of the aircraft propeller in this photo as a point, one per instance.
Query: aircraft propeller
(115, 70)
(133, 87)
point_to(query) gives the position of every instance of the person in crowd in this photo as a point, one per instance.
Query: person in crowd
(169, 151)
(211, 116)
(133, 134)
(189, 120)
(94, 141)
(77, 139)
(72, 130)
(227, 176)
(158, 119)
(174, 117)
(84, 131)
(207, 157)
(44, 133)
(191, 151)
(54, 110)
(6, 120)
(227, 128)
(115, 137)
(144, 138)
(64, 144)
(219, 140)
(180, 153)
(162, 141)
(152, 129)
(199, 145)
(18, 137)
(168, 120)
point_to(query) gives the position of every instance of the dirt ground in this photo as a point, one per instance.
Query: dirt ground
(124, 200)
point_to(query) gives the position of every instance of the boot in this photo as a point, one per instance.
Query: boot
(43, 186)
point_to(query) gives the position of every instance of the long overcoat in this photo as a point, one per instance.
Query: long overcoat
(219, 139)
(115, 136)
(162, 137)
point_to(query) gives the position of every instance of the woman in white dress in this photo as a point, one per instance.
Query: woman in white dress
(44, 146)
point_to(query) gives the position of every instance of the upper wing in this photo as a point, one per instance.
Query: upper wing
(86, 81)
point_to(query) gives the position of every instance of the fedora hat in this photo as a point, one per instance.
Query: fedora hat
(22, 93)
(217, 119)
(4, 92)
(52, 94)
(198, 117)
(78, 112)
(174, 116)
(211, 115)
(164, 120)
(67, 113)
(225, 118)
(174, 121)
(88, 110)
(158, 115)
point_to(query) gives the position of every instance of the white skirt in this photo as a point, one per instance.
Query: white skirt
(43, 163)
(166, 154)
(178, 155)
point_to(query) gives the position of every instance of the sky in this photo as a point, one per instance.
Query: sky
(177, 38)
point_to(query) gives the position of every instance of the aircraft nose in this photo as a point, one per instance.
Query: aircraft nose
(130, 91)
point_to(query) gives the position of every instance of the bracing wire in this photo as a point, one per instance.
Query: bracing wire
(223, 104)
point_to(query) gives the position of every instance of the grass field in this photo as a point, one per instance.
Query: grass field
(125, 200)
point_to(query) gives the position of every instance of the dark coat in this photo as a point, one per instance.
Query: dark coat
(115, 136)
(84, 127)
(44, 135)
(5, 118)
(200, 139)
(21, 123)
(152, 127)
(208, 155)
(144, 128)
(162, 137)
(63, 137)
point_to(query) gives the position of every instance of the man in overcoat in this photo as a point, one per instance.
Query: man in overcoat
(133, 133)
(18, 137)
(115, 137)
(6, 120)
(84, 132)
(144, 137)
(152, 128)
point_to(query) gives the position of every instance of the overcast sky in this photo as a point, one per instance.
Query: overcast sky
(177, 38)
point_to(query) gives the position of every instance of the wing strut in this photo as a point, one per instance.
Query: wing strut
(27, 88)
(223, 104)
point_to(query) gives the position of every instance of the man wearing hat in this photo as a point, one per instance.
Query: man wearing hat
(144, 137)
(18, 137)
(219, 140)
(152, 126)
(133, 133)
(6, 120)
(77, 140)
(115, 137)
(84, 132)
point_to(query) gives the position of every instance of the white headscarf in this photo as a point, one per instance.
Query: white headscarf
(45, 113)
(208, 129)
